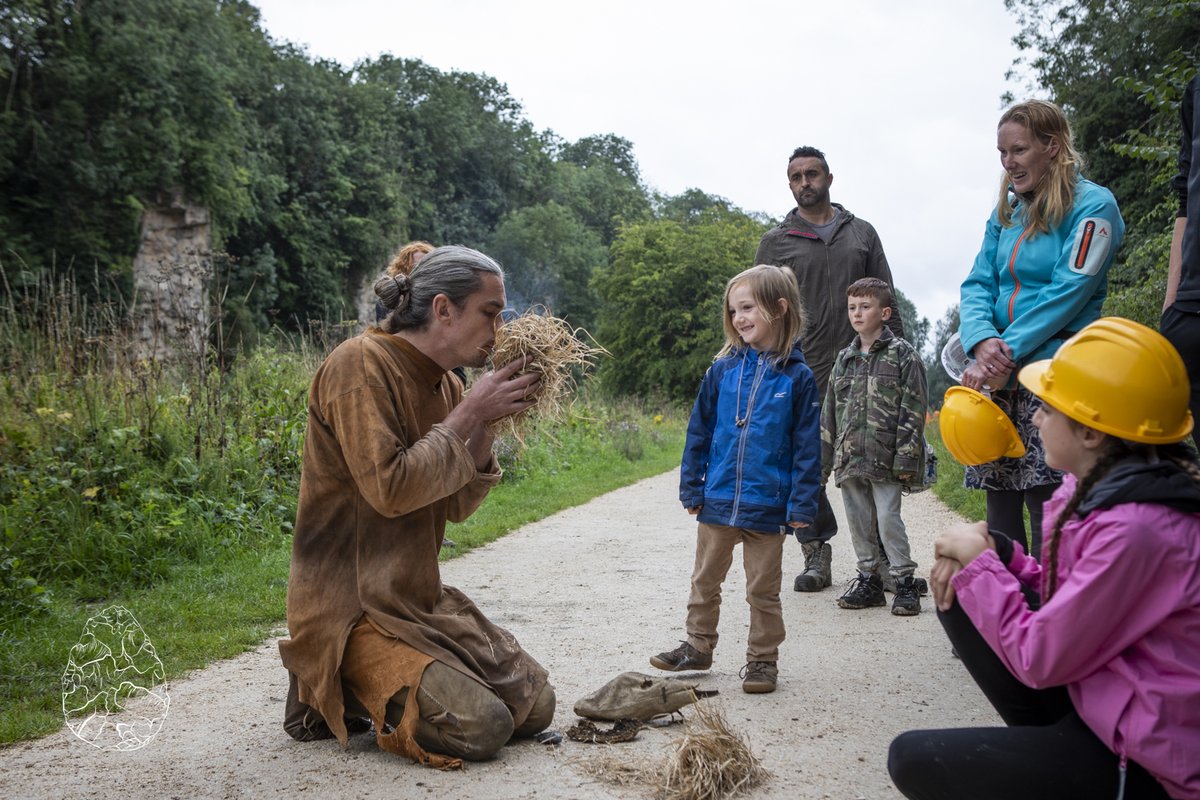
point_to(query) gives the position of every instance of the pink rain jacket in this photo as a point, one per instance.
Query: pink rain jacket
(1122, 630)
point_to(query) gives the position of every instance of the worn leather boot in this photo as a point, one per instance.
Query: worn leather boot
(818, 567)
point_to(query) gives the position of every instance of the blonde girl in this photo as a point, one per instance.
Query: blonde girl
(751, 468)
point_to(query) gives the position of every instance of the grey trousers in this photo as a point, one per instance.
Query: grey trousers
(870, 503)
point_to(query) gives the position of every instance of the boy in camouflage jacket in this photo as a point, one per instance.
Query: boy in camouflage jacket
(873, 442)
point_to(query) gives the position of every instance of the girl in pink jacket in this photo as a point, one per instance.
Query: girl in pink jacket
(1092, 657)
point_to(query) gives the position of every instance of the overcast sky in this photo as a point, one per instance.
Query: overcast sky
(903, 97)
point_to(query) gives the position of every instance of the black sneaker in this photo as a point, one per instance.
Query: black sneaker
(889, 583)
(682, 658)
(907, 602)
(866, 591)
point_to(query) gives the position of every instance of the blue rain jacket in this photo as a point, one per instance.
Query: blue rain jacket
(765, 472)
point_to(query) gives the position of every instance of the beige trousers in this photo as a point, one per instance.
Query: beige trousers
(762, 556)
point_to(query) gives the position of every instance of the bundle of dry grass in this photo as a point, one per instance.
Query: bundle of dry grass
(554, 350)
(711, 761)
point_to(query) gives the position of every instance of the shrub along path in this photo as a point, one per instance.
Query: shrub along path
(592, 591)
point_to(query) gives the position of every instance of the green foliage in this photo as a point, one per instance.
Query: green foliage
(1146, 256)
(936, 377)
(203, 612)
(598, 178)
(549, 256)
(109, 106)
(313, 173)
(916, 327)
(468, 154)
(20, 593)
(662, 296)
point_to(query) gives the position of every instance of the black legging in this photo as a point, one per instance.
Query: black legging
(1182, 329)
(1005, 513)
(1046, 751)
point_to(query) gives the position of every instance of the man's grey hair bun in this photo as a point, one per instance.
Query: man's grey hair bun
(393, 291)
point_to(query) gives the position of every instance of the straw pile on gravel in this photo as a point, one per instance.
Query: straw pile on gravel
(711, 761)
(555, 352)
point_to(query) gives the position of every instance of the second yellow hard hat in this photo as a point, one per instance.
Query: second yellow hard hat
(976, 430)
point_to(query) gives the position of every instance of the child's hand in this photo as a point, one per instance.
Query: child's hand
(944, 569)
(694, 511)
(797, 524)
(963, 542)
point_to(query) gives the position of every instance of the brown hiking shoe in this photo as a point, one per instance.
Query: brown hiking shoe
(759, 677)
(682, 658)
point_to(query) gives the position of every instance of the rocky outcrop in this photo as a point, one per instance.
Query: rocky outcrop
(171, 274)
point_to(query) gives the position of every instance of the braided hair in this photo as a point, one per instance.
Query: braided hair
(1117, 450)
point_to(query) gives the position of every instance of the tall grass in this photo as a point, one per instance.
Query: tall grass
(971, 503)
(113, 467)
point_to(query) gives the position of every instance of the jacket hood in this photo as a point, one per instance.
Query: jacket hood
(1135, 481)
(794, 220)
(796, 356)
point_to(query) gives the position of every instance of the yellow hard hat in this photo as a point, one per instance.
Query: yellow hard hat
(976, 430)
(1118, 377)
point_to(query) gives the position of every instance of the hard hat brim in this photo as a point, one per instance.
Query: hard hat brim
(1032, 377)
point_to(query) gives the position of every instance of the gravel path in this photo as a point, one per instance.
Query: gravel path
(591, 592)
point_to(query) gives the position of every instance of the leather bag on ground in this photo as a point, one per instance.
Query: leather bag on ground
(632, 695)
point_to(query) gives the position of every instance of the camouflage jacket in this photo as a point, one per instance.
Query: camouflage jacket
(873, 418)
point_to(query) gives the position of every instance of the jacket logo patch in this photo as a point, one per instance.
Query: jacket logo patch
(1093, 243)
(781, 394)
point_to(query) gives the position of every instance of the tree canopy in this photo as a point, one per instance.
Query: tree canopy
(313, 173)
(662, 296)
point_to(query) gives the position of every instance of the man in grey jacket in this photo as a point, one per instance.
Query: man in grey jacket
(829, 249)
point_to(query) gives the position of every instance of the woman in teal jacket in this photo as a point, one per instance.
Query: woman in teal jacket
(1041, 275)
